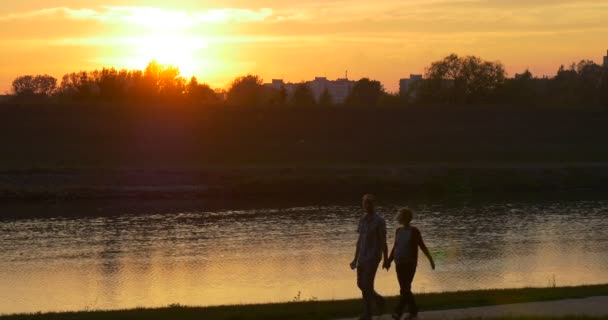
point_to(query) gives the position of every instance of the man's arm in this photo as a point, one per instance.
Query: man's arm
(353, 264)
(425, 250)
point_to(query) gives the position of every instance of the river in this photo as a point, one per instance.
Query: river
(204, 257)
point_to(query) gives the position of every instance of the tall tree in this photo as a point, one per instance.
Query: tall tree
(365, 93)
(564, 86)
(302, 96)
(326, 100)
(463, 80)
(34, 86)
(201, 93)
(246, 91)
(77, 85)
(589, 83)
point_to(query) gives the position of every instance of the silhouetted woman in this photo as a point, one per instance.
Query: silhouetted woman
(405, 253)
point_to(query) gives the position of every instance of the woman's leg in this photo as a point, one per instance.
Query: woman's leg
(409, 278)
(405, 275)
(399, 268)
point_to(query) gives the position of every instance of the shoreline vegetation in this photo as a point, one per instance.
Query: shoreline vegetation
(319, 310)
(71, 153)
(417, 181)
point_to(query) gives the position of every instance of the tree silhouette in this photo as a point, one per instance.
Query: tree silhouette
(365, 93)
(563, 86)
(390, 100)
(165, 80)
(604, 88)
(465, 80)
(200, 93)
(452, 80)
(302, 96)
(34, 86)
(326, 100)
(276, 97)
(589, 83)
(77, 85)
(521, 90)
(111, 84)
(246, 91)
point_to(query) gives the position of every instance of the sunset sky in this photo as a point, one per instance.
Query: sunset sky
(296, 40)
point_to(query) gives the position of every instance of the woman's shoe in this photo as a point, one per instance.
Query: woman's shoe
(411, 317)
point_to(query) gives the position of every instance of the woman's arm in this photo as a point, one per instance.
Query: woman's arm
(391, 257)
(425, 250)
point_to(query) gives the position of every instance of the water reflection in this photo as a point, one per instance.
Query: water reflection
(248, 256)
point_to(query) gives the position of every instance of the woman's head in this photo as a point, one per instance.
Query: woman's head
(405, 216)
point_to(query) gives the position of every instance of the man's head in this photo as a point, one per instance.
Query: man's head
(368, 203)
(405, 216)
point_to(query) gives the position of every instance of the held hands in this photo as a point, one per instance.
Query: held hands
(387, 264)
(353, 265)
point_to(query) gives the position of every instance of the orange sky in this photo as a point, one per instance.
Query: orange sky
(296, 40)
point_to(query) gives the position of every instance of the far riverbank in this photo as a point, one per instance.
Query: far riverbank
(235, 183)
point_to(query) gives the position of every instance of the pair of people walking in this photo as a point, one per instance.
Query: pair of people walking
(372, 249)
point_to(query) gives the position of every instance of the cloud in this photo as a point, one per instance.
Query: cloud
(336, 15)
(451, 15)
(147, 16)
(51, 13)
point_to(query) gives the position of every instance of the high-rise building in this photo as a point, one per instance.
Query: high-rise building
(276, 84)
(338, 89)
(406, 85)
(606, 60)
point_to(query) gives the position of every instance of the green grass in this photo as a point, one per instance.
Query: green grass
(330, 309)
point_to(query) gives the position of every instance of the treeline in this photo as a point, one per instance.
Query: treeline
(454, 80)
(470, 80)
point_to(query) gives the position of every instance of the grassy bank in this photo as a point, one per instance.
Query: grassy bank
(170, 137)
(78, 152)
(329, 309)
(273, 182)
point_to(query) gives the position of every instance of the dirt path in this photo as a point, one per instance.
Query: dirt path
(590, 307)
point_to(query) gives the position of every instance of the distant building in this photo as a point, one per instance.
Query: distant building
(338, 89)
(606, 60)
(276, 84)
(406, 85)
(319, 85)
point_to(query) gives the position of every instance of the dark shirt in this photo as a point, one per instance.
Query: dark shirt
(372, 238)
(407, 241)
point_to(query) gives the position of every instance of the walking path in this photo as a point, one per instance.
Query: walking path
(589, 307)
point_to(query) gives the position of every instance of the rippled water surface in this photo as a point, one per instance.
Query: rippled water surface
(249, 256)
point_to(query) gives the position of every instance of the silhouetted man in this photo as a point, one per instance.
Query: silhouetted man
(371, 248)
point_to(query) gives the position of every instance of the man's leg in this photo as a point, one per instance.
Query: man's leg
(366, 272)
(380, 302)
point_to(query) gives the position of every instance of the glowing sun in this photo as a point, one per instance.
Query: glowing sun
(164, 38)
